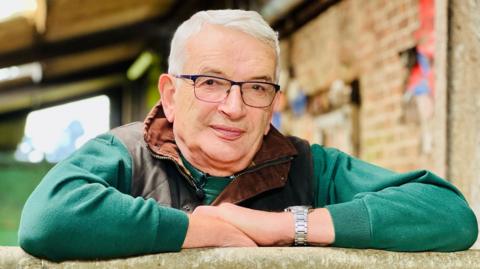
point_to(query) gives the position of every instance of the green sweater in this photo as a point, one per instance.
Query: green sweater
(83, 209)
(212, 186)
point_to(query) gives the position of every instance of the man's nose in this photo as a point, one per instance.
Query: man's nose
(233, 105)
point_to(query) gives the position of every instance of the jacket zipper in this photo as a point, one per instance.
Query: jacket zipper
(232, 177)
(261, 166)
(189, 178)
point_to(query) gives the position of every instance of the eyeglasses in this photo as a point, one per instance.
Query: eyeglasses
(214, 89)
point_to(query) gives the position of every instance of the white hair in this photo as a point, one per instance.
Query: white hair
(249, 22)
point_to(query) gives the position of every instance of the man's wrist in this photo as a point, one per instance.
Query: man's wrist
(321, 231)
(300, 217)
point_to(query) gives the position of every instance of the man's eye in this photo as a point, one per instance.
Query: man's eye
(210, 82)
(258, 87)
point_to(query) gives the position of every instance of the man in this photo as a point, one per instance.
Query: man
(207, 169)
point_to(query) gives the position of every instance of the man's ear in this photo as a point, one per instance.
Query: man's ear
(166, 88)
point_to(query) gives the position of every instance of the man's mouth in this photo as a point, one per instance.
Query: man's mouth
(227, 133)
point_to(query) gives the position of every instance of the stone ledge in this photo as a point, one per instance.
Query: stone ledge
(274, 257)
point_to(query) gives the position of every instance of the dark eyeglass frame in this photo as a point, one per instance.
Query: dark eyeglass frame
(232, 83)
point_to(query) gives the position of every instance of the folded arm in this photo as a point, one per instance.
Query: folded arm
(372, 207)
(272, 228)
(361, 205)
(83, 209)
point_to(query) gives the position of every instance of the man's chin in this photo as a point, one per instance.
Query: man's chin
(224, 157)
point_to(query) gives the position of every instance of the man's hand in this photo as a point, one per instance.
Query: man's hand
(272, 228)
(208, 231)
(265, 228)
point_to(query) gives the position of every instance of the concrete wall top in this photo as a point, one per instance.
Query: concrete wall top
(272, 257)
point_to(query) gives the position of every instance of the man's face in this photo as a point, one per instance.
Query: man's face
(222, 138)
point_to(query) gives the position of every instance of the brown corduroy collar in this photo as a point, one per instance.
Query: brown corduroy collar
(268, 170)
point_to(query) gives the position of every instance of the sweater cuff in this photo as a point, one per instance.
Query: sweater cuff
(352, 224)
(171, 230)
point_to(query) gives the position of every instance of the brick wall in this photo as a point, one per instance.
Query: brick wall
(358, 39)
(464, 100)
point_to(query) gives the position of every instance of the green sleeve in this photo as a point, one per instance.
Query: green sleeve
(372, 207)
(83, 209)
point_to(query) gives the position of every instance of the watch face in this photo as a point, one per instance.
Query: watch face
(297, 208)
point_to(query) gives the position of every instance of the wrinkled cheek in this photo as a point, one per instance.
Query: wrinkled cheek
(266, 122)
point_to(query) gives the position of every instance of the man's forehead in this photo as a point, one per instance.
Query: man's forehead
(218, 50)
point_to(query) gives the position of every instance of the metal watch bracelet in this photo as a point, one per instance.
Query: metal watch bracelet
(300, 215)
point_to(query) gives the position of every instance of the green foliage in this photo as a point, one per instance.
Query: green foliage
(11, 130)
(147, 67)
(17, 181)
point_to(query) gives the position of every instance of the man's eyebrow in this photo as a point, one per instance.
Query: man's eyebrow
(265, 78)
(211, 71)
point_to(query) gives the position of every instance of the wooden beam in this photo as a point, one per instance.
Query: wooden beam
(40, 96)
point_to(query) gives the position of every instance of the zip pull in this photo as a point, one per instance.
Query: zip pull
(199, 193)
(199, 186)
(263, 165)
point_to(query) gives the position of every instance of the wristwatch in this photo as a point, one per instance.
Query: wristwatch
(300, 215)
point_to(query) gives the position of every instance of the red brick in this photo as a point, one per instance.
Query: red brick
(361, 39)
